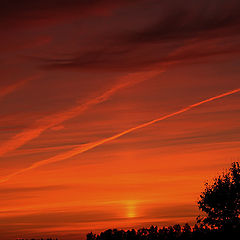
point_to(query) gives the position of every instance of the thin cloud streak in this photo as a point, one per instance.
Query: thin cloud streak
(85, 147)
(13, 87)
(25, 13)
(212, 25)
(48, 122)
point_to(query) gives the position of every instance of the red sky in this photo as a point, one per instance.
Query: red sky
(76, 75)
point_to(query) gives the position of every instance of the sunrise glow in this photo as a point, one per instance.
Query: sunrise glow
(114, 114)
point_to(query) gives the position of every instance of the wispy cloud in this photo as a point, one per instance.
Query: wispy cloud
(56, 119)
(4, 91)
(193, 20)
(27, 13)
(85, 147)
(210, 25)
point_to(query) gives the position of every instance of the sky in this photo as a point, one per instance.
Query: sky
(114, 114)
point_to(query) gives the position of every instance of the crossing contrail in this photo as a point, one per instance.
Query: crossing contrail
(54, 119)
(13, 87)
(85, 147)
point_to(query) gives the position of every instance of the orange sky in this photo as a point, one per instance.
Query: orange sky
(75, 75)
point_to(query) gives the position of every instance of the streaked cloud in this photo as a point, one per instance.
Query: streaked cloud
(28, 14)
(85, 147)
(205, 30)
(5, 90)
(55, 119)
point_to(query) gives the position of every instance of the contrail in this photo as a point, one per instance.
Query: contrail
(85, 147)
(52, 120)
(12, 87)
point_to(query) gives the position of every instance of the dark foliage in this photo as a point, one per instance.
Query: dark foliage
(221, 200)
(176, 232)
(37, 239)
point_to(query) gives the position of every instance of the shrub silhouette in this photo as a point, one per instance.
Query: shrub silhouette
(221, 200)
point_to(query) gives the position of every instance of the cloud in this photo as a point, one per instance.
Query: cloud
(173, 211)
(56, 119)
(200, 29)
(10, 193)
(61, 217)
(9, 43)
(57, 128)
(88, 146)
(201, 20)
(27, 13)
(13, 190)
(38, 223)
(100, 214)
(110, 60)
(4, 91)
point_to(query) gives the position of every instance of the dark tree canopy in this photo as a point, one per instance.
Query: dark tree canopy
(221, 200)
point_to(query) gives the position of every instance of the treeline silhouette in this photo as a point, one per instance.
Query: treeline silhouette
(175, 232)
(36, 239)
(220, 202)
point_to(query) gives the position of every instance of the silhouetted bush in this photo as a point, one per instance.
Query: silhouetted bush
(221, 200)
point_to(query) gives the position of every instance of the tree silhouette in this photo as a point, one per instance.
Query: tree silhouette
(221, 200)
(221, 203)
